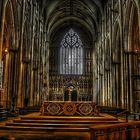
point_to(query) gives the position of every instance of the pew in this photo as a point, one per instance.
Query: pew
(119, 131)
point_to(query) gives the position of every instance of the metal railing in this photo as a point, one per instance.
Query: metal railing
(125, 113)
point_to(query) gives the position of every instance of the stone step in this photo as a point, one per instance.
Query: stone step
(46, 129)
(63, 121)
(69, 118)
(48, 125)
(45, 133)
(52, 125)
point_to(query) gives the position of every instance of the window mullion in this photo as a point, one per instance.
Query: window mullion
(74, 60)
(68, 60)
(81, 58)
(65, 63)
(77, 61)
(61, 60)
(71, 60)
(71, 56)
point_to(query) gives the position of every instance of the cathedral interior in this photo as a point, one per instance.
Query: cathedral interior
(74, 51)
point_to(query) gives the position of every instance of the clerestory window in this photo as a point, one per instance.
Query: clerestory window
(71, 54)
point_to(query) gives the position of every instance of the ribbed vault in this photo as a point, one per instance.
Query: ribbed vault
(84, 13)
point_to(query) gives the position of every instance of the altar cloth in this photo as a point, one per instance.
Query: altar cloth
(69, 108)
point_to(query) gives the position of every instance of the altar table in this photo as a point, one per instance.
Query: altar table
(66, 108)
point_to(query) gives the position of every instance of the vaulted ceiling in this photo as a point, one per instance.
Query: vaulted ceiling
(83, 13)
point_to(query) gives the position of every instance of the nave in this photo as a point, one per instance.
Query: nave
(64, 58)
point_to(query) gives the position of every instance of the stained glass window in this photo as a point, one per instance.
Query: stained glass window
(71, 54)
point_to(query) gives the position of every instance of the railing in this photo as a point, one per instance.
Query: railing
(110, 110)
(27, 110)
(125, 113)
(136, 116)
(120, 131)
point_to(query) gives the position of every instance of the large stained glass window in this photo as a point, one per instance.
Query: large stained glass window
(71, 54)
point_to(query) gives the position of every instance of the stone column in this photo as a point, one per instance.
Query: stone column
(12, 82)
(20, 99)
(2, 17)
(122, 55)
(26, 82)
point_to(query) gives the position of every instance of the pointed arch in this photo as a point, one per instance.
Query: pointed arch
(116, 44)
(71, 54)
(131, 20)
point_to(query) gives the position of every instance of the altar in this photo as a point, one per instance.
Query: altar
(71, 101)
(67, 108)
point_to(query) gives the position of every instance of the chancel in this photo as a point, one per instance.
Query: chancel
(70, 69)
(71, 77)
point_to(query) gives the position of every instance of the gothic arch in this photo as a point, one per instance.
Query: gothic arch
(66, 22)
(8, 45)
(107, 53)
(116, 59)
(132, 15)
(76, 77)
(71, 45)
(26, 48)
(116, 43)
(9, 25)
(132, 51)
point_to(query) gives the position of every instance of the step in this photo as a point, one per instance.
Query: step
(63, 121)
(53, 124)
(46, 129)
(47, 125)
(69, 118)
